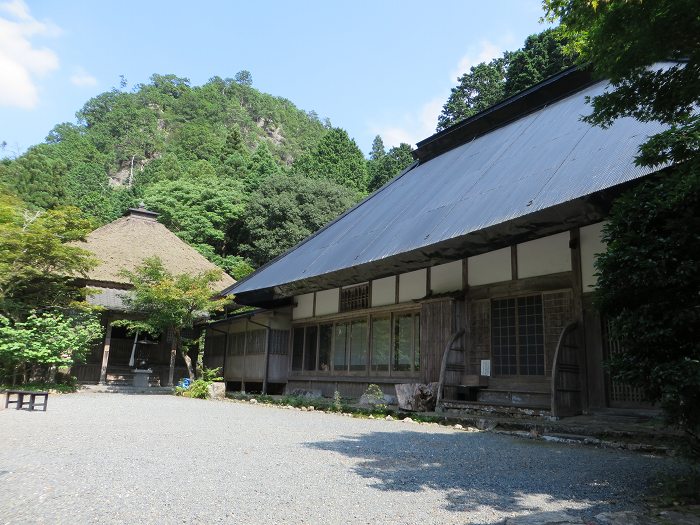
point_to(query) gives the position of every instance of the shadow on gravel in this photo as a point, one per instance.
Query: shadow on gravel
(483, 471)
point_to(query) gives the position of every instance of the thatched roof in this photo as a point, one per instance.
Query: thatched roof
(126, 242)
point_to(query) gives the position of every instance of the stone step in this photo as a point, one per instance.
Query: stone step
(126, 389)
(478, 407)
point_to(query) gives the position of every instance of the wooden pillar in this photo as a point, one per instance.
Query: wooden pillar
(577, 289)
(105, 353)
(245, 348)
(173, 353)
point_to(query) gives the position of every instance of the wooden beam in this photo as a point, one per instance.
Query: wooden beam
(514, 262)
(105, 353)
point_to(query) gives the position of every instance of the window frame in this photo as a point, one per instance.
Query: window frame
(519, 347)
(347, 321)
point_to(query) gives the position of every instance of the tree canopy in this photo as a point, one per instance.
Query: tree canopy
(488, 83)
(287, 209)
(38, 263)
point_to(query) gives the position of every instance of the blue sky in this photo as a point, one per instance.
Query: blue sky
(373, 67)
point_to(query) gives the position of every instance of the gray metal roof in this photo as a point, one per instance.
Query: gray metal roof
(532, 173)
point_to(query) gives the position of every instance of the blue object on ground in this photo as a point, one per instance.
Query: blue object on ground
(185, 382)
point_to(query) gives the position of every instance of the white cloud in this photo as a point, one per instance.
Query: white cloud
(485, 52)
(420, 124)
(82, 78)
(413, 126)
(21, 62)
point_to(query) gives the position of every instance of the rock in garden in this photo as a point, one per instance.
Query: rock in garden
(217, 390)
(253, 401)
(307, 394)
(417, 397)
(389, 418)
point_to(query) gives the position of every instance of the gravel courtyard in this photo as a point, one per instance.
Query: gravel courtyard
(111, 458)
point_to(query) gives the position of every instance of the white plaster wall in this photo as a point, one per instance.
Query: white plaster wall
(446, 277)
(490, 267)
(384, 291)
(544, 256)
(327, 301)
(590, 246)
(413, 285)
(304, 306)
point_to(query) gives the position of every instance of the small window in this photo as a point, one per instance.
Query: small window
(354, 297)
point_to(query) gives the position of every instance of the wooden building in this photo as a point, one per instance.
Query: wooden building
(123, 245)
(474, 267)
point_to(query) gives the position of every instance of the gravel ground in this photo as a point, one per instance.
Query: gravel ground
(112, 458)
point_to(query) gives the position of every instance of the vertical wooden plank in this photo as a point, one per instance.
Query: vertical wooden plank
(514, 262)
(105, 352)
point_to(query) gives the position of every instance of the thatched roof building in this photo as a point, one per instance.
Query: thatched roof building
(126, 242)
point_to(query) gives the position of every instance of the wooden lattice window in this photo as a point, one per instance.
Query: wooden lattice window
(517, 336)
(354, 297)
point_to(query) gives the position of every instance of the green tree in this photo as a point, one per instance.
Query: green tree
(49, 338)
(285, 210)
(163, 301)
(36, 178)
(38, 263)
(385, 168)
(480, 88)
(337, 159)
(378, 150)
(542, 56)
(200, 209)
(244, 78)
(650, 273)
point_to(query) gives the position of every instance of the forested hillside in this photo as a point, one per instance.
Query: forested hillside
(218, 162)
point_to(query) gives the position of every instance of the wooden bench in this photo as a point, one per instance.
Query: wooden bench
(20, 402)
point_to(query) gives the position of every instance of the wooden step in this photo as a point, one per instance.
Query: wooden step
(531, 399)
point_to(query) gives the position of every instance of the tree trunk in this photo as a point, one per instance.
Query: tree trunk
(173, 353)
(131, 171)
(188, 362)
(177, 339)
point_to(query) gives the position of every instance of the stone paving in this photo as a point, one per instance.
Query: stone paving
(112, 458)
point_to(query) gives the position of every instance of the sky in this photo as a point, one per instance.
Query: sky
(371, 66)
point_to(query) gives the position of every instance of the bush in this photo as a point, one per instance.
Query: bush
(648, 286)
(199, 388)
